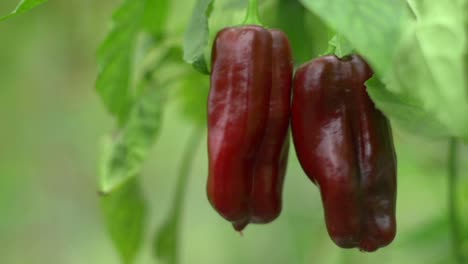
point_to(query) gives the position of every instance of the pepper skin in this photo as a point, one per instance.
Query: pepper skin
(345, 146)
(248, 119)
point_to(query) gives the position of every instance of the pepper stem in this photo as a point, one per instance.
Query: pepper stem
(252, 16)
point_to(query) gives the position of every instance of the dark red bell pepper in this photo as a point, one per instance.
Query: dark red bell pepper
(345, 146)
(248, 119)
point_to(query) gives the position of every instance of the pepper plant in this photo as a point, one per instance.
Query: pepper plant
(161, 50)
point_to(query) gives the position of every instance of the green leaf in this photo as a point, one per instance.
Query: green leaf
(22, 7)
(291, 18)
(339, 46)
(115, 59)
(166, 240)
(197, 35)
(404, 110)
(123, 156)
(372, 27)
(155, 17)
(125, 215)
(429, 65)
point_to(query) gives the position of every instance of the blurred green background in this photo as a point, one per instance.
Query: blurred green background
(52, 124)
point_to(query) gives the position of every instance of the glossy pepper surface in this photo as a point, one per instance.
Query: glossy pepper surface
(248, 119)
(345, 146)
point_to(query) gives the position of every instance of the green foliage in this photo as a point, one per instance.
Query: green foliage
(139, 110)
(125, 212)
(115, 59)
(419, 83)
(428, 66)
(405, 111)
(155, 17)
(22, 7)
(291, 18)
(420, 61)
(339, 46)
(421, 58)
(123, 156)
(369, 25)
(196, 36)
(135, 97)
(122, 161)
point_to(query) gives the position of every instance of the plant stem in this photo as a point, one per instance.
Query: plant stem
(182, 181)
(184, 172)
(452, 199)
(252, 16)
(168, 236)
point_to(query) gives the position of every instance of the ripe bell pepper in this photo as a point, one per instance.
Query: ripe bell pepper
(248, 119)
(345, 146)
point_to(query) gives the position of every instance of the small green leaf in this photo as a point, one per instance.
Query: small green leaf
(372, 27)
(166, 240)
(123, 156)
(125, 215)
(340, 46)
(22, 7)
(115, 59)
(155, 17)
(197, 34)
(201, 66)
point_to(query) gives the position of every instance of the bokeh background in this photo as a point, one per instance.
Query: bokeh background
(52, 122)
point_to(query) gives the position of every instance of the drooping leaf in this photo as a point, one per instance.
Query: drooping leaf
(372, 27)
(166, 240)
(197, 35)
(129, 90)
(124, 155)
(115, 59)
(125, 215)
(22, 7)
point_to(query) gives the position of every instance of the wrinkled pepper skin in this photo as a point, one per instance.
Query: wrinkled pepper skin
(345, 146)
(248, 120)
